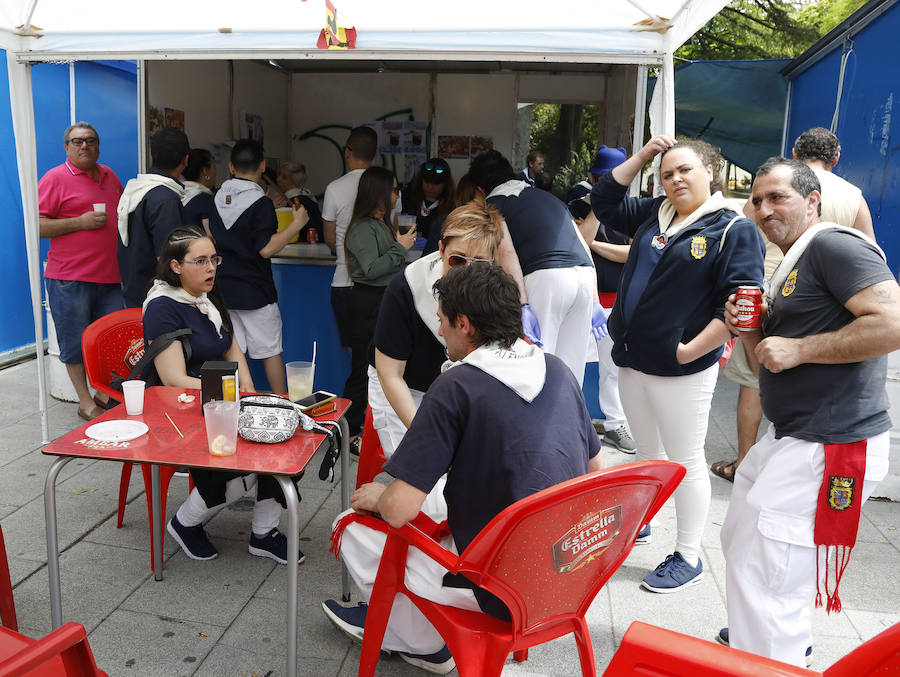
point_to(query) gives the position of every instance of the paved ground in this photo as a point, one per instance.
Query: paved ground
(226, 617)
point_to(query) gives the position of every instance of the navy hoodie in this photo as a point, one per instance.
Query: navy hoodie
(688, 286)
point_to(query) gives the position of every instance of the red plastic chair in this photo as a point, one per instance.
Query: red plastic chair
(7, 603)
(113, 345)
(371, 455)
(656, 652)
(65, 652)
(527, 556)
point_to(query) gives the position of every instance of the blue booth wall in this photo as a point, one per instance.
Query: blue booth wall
(867, 124)
(105, 96)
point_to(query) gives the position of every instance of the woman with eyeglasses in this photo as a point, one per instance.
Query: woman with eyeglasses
(183, 296)
(430, 197)
(375, 253)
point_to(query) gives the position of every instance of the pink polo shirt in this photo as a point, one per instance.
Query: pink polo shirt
(84, 255)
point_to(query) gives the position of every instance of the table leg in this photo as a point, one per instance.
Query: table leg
(158, 520)
(345, 497)
(53, 540)
(293, 545)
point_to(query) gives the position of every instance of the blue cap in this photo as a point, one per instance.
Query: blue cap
(606, 159)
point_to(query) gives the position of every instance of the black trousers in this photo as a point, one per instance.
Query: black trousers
(363, 303)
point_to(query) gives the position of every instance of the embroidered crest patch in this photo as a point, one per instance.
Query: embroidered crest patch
(840, 492)
(790, 283)
(698, 247)
(228, 199)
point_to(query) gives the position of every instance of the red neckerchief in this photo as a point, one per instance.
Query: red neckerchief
(837, 512)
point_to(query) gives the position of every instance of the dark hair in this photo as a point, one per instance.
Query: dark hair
(708, 154)
(803, 179)
(363, 143)
(168, 146)
(465, 190)
(373, 193)
(175, 248)
(544, 181)
(247, 155)
(532, 157)
(490, 169)
(817, 144)
(434, 170)
(488, 296)
(79, 125)
(198, 160)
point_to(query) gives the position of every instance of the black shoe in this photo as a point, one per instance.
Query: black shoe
(351, 620)
(193, 540)
(438, 663)
(273, 545)
(722, 638)
(354, 445)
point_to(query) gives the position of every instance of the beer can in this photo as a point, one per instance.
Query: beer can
(749, 304)
(312, 236)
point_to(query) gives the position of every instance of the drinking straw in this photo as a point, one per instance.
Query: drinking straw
(314, 354)
(173, 424)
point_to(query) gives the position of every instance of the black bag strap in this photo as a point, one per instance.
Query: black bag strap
(159, 344)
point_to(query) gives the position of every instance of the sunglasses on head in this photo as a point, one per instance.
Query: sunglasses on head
(455, 260)
(434, 168)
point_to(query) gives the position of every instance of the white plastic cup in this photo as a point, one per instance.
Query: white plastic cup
(221, 419)
(134, 397)
(405, 222)
(300, 377)
(100, 207)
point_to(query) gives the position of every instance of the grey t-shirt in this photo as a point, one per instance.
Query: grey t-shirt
(826, 403)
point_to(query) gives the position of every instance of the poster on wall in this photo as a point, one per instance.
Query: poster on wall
(480, 144)
(156, 119)
(250, 126)
(453, 147)
(411, 164)
(175, 118)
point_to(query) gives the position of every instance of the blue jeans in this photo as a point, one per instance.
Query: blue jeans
(74, 305)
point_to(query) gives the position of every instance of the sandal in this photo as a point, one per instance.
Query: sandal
(724, 469)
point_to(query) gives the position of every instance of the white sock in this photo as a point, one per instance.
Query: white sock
(266, 514)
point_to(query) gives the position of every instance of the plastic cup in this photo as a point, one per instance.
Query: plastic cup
(134, 397)
(100, 207)
(300, 379)
(405, 222)
(221, 426)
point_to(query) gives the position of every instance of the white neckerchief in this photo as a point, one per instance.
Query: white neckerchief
(421, 275)
(201, 303)
(667, 213)
(426, 209)
(511, 187)
(134, 192)
(522, 368)
(192, 189)
(234, 197)
(796, 251)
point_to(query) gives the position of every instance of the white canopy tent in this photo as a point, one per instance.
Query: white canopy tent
(639, 32)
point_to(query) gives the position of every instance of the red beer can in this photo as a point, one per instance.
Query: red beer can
(312, 236)
(749, 304)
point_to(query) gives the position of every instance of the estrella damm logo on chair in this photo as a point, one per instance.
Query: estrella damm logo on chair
(135, 352)
(698, 247)
(790, 284)
(840, 492)
(587, 539)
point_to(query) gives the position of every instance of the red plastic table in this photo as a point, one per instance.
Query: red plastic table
(162, 445)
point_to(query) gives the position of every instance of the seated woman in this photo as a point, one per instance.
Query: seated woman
(199, 183)
(375, 254)
(182, 297)
(430, 197)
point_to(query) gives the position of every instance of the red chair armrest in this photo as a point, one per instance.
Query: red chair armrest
(55, 644)
(415, 536)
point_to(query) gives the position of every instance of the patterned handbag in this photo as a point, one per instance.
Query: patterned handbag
(267, 418)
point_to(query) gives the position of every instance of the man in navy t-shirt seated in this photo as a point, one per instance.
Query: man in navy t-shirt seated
(503, 421)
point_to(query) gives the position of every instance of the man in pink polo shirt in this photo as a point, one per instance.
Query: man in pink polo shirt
(78, 201)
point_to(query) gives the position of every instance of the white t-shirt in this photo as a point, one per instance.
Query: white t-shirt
(338, 207)
(840, 198)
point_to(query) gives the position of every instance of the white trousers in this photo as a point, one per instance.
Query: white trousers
(407, 630)
(387, 424)
(668, 416)
(767, 540)
(562, 299)
(608, 386)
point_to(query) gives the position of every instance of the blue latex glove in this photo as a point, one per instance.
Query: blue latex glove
(598, 321)
(530, 326)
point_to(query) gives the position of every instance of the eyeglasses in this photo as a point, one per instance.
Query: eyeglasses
(455, 260)
(434, 168)
(205, 261)
(396, 189)
(78, 142)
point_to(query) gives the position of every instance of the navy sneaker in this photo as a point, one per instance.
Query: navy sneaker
(348, 619)
(722, 638)
(643, 537)
(439, 663)
(193, 540)
(273, 545)
(672, 575)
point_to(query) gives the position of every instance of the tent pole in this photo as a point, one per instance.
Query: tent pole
(22, 105)
(142, 115)
(72, 114)
(640, 118)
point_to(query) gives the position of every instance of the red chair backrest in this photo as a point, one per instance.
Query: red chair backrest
(112, 344)
(549, 554)
(371, 455)
(880, 655)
